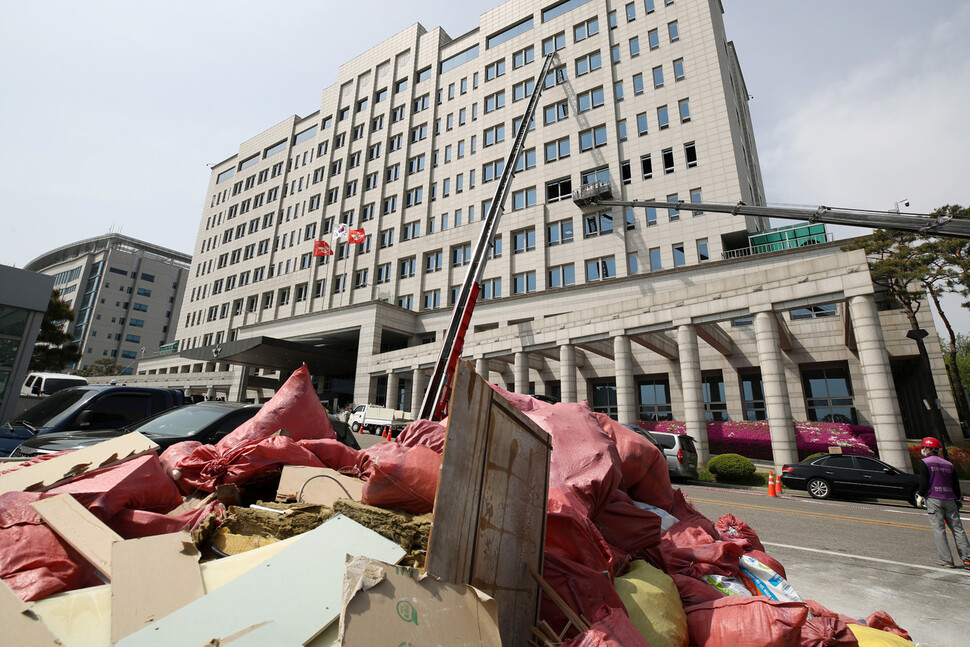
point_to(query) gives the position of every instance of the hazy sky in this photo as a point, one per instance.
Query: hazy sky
(110, 111)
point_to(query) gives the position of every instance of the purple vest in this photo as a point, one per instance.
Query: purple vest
(941, 478)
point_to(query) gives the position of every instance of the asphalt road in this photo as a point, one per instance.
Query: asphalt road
(855, 557)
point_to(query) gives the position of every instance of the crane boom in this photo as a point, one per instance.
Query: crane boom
(923, 224)
(439, 386)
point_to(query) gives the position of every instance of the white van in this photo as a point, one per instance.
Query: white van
(41, 384)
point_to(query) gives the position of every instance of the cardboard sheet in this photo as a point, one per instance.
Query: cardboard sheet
(79, 528)
(19, 624)
(320, 485)
(49, 473)
(153, 576)
(390, 605)
(298, 589)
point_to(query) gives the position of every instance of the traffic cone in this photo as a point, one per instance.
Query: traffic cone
(778, 485)
(387, 432)
(771, 484)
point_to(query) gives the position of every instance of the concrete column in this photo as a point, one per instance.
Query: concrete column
(567, 372)
(237, 392)
(880, 388)
(780, 422)
(418, 387)
(481, 367)
(691, 390)
(626, 398)
(521, 369)
(393, 385)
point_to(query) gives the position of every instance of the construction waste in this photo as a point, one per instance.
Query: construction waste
(279, 534)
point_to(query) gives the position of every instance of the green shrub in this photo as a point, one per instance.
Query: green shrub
(731, 468)
(704, 475)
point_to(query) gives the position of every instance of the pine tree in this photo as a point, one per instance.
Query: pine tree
(55, 348)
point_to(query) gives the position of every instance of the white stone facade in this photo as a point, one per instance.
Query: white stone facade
(405, 146)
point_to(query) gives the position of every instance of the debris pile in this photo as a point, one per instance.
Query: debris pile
(513, 522)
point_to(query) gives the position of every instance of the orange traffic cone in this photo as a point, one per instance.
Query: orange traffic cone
(778, 485)
(387, 432)
(771, 484)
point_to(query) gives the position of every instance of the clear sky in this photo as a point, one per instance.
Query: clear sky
(110, 110)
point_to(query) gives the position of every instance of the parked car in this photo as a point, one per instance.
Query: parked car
(44, 384)
(680, 452)
(205, 422)
(87, 408)
(849, 475)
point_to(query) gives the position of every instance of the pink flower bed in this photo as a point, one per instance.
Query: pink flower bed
(751, 438)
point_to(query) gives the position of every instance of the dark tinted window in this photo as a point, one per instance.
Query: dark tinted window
(868, 464)
(53, 409)
(838, 461)
(687, 443)
(666, 440)
(120, 409)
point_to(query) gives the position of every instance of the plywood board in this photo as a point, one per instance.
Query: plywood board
(82, 618)
(299, 589)
(20, 625)
(320, 485)
(49, 473)
(153, 576)
(79, 528)
(490, 512)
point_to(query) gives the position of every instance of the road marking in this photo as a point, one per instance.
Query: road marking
(819, 515)
(935, 569)
(829, 502)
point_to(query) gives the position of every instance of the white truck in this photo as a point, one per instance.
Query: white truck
(371, 417)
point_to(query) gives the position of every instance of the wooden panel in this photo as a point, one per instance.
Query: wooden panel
(49, 473)
(490, 522)
(153, 576)
(19, 624)
(79, 528)
(299, 590)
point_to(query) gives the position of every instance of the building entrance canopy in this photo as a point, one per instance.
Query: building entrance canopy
(271, 353)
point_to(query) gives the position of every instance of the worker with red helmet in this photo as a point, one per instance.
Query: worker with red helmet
(939, 485)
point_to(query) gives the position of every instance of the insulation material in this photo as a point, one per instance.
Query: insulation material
(653, 604)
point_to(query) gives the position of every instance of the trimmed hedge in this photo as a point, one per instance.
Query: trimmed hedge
(731, 468)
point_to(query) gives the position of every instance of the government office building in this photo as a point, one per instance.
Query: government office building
(646, 313)
(125, 294)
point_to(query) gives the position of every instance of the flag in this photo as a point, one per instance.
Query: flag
(356, 235)
(340, 231)
(321, 248)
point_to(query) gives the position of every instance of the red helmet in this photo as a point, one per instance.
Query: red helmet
(931, 442)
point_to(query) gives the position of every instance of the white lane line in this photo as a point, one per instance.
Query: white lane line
(862, 557)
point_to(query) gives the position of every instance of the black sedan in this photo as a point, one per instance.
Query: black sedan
(847, 475)
(205, 422)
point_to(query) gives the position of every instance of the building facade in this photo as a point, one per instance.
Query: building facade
(647, 313)
(125, 295)
(24, 297)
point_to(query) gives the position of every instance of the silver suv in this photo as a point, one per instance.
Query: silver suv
(680, 452)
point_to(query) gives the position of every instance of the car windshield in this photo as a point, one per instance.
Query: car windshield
(52, 410)
(54, 384)
(183, 421)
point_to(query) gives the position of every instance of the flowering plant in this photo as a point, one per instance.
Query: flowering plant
(959, 457)
(752, 438)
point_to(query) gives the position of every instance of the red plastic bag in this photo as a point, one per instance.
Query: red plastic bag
(827, 631)
(296, 408)
(424, 432)
(36, 563)
(730, 527)
(750, 621)
(715, 558)
(399, 478)
(523, 403)
(633, 530)
(584, 458)
(884, 622)
(612, 629)
(694, 591)
(642, 466)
